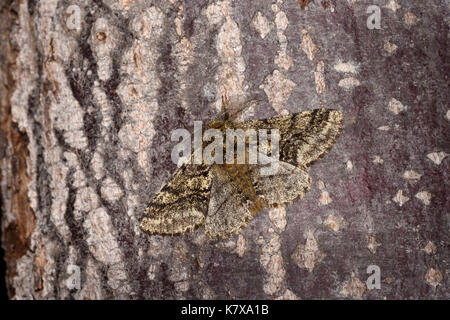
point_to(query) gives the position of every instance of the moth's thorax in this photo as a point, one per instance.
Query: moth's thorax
(221, 125)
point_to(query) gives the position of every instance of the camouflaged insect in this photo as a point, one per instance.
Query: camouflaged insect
(225, 197)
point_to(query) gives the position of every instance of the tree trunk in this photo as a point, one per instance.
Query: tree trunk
(87, 110)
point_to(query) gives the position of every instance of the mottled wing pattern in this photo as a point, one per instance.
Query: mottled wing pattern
(232, 205)
(304, 137)
(286, 186)
(182, 204)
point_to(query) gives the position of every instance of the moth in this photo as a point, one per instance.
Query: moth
(223, 198)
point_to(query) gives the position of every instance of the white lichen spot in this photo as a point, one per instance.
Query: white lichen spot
(240, 246)
(437, 157)
(372, 245)
(321, 185)
(378, 160)
(281, 20)
(393, 5)
(396, 106)
(349, 83)
(272, 262)
(231, 75)
(349, 166)
(283, 60)
(346, 67)
(447, 115)
(389, 47)
(308, 45)
(410, 18)
(411, 175)
(384, 128)
(307, 255)
(288, 295)
(430, 248)
(261, 24)
(110, 190)
(425, 197)
(151, 272)
(181, 286)
(335, 223)
(214, 13)
(325, 198)
(354, 288)
(278, 217)
(400, 199)
(278, 89)
(319, 77)
(434, 277)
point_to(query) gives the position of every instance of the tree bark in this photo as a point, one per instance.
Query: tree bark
(85, 121)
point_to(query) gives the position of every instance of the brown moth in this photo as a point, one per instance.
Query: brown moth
(225, 197)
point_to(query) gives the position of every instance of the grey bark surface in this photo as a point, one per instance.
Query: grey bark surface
(85, 122)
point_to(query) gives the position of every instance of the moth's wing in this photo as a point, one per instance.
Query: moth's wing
(286, 186)
(304, 137)
(229, 209)
(182, 204)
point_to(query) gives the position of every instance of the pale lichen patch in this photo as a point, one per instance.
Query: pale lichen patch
(308, 46)
(396, 106)
(393, 5)
(437, 157)
(319, 77)
(307, 255)
(430, 248)
(101, 241)
(378, 160)
(278, 89)
(424, 196)
(335, 223)
(278, 217)
(346, 67)
(349, 83)
(349, 165)
(384, 128)
(288, 295)
(411, 175)
(410, 18)
(372, 245)
(240, 246)
(325, 198)
(389, 47)
(261, 24)
(434, 277)
(400, 199)
(272, 262)
(354, 288)
(110, 190)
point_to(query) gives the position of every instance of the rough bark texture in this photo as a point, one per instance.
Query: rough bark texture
(85, 126)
